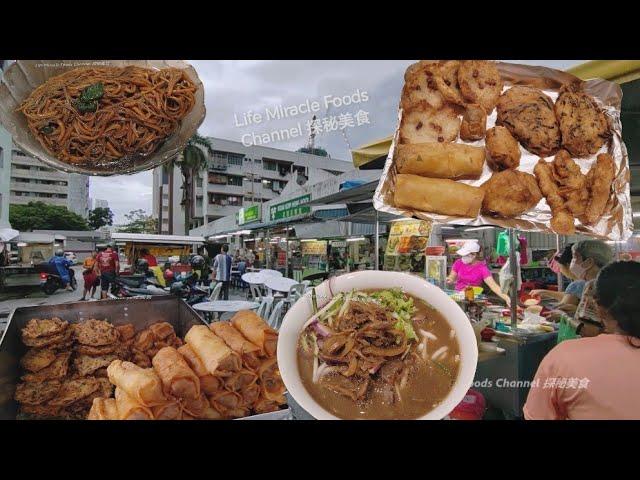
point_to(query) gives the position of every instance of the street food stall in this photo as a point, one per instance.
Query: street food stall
(160, 246)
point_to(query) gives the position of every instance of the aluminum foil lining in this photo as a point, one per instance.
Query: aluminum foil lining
(617, 220)
(23, 76)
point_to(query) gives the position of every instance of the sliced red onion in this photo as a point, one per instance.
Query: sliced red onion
(322, 329)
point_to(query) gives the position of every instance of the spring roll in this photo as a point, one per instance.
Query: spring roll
(213, 352)
(197, 407)
(240, 380)
(209, 384)
(224, 401)
(256, 330)
(171, 410)
(250, 395)
(141, 384)
(177, 377)
(270, 381)
(103, 409)
(440, 160)
(437, 195)
(236, 342)
(129, 408)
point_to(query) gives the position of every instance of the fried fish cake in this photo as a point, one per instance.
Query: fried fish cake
(96, 333)
(86, 365)
(503, 151)
(510, 193)
(37, 358)
(480, 82)
(37, 328)
(58, 369)
(474, 123)
(583, 124)
(428, 125)
(446, 79)
(73, 390)
(420, 90)
(528, 114)
(36, 393)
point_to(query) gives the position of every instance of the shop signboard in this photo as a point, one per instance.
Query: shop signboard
(249, 214)
(318, 247)
(291, 208)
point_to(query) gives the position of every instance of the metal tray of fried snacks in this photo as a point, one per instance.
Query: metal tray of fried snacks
(616, 222)
(140, 312)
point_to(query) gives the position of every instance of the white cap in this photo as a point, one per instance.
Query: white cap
(468, 247)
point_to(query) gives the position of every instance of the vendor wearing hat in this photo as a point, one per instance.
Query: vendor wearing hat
(469, 270)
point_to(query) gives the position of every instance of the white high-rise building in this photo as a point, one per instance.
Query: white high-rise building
(5, 169)
(98, 203)
(237, 176)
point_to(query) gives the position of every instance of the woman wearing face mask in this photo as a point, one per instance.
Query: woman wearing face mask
(596, 378)
(589, 256)
(469, 270)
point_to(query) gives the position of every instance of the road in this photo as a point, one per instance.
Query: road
(28, 296)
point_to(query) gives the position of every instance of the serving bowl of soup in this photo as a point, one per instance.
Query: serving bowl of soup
(377, 345)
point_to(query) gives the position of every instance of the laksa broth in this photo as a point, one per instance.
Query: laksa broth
(379, 354)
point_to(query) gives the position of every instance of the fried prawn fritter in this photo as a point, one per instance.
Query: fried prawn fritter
(420, 90)
(474, 123)
(480, 83)
(37, 358)
(446, 78)
(528, 114)
(503, 151)
(58, 369)
(599, 180)
(96, 333)
(428, 125)
(572, 183)
(36, 393)
(74, 390)
(37, 328)
(510, 193)
(86, 365)
(562, 221)
(583, 124)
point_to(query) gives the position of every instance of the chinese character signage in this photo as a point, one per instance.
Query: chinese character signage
(319, 247)
(290, 208)
(249, 214)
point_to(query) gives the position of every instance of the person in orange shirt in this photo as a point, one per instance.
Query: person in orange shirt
(89, 275)
(596, 378)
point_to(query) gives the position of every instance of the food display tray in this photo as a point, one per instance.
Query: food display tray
(617, 221)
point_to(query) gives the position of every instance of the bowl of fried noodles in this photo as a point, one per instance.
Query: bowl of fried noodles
(101, 117)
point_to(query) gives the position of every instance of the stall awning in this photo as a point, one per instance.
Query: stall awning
(370, 152)
(356, 194)
(163, 239)
(8, 234)
(619, 71)
(368, 215)
(28, 237)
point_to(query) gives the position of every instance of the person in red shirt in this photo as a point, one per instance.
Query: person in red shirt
(151, 260)
(107, 266)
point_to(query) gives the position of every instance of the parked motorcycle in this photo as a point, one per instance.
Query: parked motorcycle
(135, 286)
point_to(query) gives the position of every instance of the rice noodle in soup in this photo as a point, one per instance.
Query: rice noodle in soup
(379, 354)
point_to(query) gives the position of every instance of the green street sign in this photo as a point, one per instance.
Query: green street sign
(249, 214)
(290, 208)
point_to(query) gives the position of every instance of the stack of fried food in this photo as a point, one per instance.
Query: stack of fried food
(446, 100)
(224, 371)
(146, 343)
(52, 385)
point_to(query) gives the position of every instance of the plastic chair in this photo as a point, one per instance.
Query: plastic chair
(265, 308)
(256, 294)
(274, 319)
(215, 293)
(295, 292)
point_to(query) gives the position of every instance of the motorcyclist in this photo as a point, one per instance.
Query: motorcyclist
(62, 266)
(198, 266)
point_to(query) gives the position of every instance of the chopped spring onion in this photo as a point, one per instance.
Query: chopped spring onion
(314, 301)
(345, 305)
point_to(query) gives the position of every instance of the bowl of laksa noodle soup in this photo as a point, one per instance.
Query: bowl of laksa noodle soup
(377, 346)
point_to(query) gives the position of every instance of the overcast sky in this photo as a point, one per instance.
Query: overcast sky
(235, 89)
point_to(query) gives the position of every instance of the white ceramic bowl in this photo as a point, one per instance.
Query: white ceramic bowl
(365, 280)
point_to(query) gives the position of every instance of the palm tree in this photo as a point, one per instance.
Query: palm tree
(194, 157)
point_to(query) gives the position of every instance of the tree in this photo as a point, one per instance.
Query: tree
(40, 216)
(314, 151)
(194, 157)
(100, 217)
(139, 222)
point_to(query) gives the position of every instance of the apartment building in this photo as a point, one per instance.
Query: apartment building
(32, 181)
(236, 176)
(5, 167)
